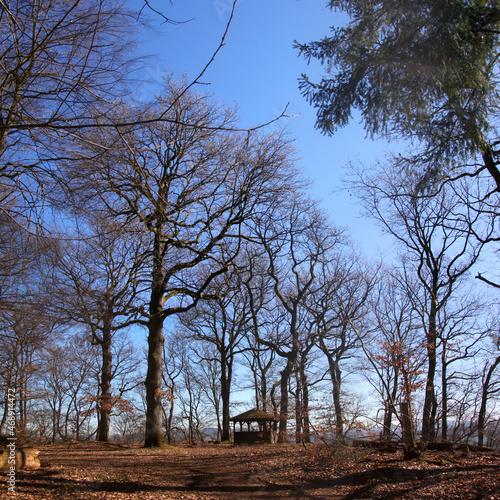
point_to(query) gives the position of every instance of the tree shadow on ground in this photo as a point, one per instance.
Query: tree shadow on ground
(247, 473)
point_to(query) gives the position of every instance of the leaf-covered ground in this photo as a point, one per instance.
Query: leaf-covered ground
(111, 471)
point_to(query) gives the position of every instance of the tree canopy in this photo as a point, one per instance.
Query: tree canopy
(424, 70)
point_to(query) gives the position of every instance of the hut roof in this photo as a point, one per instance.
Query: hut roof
(254, 415)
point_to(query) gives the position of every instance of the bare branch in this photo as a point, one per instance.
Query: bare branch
(491, 283)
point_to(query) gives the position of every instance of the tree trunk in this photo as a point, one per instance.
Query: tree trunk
(169, 419)
(428, 425)
(444, 384)
(409, 443)
(263, 384)
(272, 397)
(389, 408)
(154, 415)
(481, 420)
(256, 388)
(9, 376)
(225, 394)
(336, 377)
(298, 410)
(337, 405)
(285, 377)
(263, 391)
(306, 429)
(386, 431)
(54, 426)
(106, 377)
(191, 419)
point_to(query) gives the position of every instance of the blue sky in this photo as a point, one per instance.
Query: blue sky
(258, 69)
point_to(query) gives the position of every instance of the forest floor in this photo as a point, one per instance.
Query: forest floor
(112, 471)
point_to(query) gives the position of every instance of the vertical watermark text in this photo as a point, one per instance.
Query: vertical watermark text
(11, 439)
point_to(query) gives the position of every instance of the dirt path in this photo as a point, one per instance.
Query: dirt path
(92, 470)
(110, 471)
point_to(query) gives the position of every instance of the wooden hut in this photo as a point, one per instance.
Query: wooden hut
(260, 427)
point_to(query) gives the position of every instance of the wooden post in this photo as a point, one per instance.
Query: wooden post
(409, 442)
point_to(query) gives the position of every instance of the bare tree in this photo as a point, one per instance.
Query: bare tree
(433, 226)
(174, 360)
(295, 246)
(188, 189)
(98, 276)
(489, 387)
(24, 319)
(462, 331)
(338, 310)
(62, 63)
(25, 330)
(222, 322)
(393, 347)
(260, 360)
(68, 384)
(192, 403)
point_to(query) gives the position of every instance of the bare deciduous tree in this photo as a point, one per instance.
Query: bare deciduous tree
(393, 346)
(188, 188)
(62, 64)
(222, 322)
(296, 246)
(436, 230)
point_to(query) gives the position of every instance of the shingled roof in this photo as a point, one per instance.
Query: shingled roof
(254, 415)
